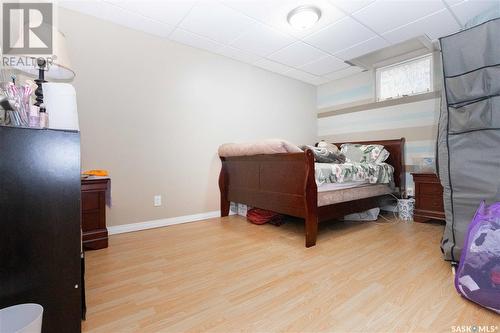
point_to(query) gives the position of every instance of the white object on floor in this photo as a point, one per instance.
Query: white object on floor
(233, 207)
(21, 318)
(60, 102)
(243, 209)
(367, 215)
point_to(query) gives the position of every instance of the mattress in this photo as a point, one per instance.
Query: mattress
(361, 191)
(341, 186)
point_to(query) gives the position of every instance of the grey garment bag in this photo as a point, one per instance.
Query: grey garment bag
(468, 144)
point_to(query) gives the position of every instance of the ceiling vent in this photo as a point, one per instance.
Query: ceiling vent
(395, 53)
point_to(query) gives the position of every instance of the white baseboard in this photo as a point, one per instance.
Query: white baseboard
(120, 229)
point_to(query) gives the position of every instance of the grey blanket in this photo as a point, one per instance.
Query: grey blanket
(323, 155)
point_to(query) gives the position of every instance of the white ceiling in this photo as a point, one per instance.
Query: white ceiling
(256, 31)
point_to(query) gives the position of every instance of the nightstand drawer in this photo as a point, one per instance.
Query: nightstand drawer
(430, 202)
(90, 201)
(95, 233)
(428, 197)
(92, 221)
(429, 189)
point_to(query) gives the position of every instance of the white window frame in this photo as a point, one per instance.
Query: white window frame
(380, 69)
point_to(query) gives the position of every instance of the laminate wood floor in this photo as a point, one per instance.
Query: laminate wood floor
(227, 275)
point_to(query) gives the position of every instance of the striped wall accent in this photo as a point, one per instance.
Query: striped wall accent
(417, 122)
(355, 94)
(355, 88)
(418, 114)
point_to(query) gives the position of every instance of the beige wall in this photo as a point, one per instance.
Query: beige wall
(153, 113)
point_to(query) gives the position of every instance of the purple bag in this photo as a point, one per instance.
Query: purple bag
(478, 274)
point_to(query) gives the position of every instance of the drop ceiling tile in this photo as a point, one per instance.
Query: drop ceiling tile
(170, 12)
(303, 76)
(112, 13)
(343, 73)
(216, 21)
(385, 15)
(340, 35)
(468, 9)
(452, 2)
(188, 38)
(324, 66)
(362, 48)
(350, 6)
(240, 55)
(273, 66)
(257, 9)
(274, 13)
(297, 54)
(262, 40)
(434, 26)
(85, 7)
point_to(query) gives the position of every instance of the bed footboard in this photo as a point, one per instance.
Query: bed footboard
(283, 183)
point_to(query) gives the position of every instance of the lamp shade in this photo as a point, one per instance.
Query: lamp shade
(59, 68)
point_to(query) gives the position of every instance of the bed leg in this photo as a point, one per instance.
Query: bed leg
(224, 203)
(311, 201)
(224, 207)
(311, 231)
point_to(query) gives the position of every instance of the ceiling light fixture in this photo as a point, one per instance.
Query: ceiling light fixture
(304, 17)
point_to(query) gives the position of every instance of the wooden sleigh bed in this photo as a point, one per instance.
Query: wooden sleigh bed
(285, 183)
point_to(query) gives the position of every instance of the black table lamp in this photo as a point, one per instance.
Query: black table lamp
(41, 63)
(54, 67)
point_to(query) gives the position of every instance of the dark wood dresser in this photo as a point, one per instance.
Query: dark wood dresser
(95, 233)
(40, 239)
(428, 197)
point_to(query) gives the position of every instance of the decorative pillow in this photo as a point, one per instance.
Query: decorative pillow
(352, 153)
(383, 156)
(329, 146)
(356, 153)
(323, 155)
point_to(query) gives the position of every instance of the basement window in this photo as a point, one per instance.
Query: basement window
(406, 78)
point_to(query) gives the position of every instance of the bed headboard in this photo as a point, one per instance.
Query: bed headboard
(396, 158)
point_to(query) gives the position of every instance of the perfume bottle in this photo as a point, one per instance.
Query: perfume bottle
(44, 117)
(34, 117)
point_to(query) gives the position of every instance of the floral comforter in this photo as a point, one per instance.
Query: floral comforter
(375, 173)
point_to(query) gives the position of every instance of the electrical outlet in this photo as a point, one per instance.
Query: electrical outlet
(157, 200)
(410, 192)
